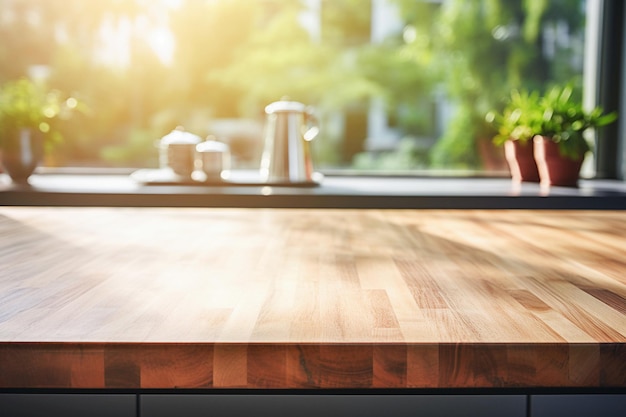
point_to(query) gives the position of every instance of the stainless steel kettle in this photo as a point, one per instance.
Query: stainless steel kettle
(290, 128)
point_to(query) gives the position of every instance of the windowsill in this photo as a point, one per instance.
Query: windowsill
(117, 188)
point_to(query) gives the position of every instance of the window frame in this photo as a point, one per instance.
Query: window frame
(605, 83)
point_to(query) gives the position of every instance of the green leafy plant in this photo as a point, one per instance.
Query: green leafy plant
(556, 115)
(564, 121)
(520, 118)
(28, 105)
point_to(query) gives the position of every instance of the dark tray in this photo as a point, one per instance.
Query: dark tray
(168, 177)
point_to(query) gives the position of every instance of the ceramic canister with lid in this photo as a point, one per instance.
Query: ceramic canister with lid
(214, 156)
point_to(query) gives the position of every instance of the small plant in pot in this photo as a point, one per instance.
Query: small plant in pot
(516, 126)
(560, 143)
(30, 117)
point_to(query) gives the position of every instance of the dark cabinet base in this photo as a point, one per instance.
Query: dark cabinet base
(334, 405)
(592, 405)
(224, 404)
(68, 405)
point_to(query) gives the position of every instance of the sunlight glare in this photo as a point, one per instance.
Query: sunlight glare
(150, 26)
(71, 103)
(162, 43)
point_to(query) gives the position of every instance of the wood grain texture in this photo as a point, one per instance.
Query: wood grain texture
(291, 298)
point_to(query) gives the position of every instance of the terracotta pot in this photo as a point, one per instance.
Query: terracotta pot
(521, 160)
(22, 153)
(554, 168)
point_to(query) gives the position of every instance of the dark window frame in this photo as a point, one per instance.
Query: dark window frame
(610, 90)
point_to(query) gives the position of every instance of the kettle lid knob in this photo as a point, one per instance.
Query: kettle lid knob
(285, 105)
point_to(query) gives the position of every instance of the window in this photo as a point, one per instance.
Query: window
(399, 85)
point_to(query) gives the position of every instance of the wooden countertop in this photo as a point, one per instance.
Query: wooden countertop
(311, 298)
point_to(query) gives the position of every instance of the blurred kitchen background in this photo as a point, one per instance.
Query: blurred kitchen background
(399, 86)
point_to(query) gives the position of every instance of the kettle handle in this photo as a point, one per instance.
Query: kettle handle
(311, 126)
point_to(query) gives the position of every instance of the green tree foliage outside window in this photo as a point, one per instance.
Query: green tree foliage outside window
(232, 57)
(483, 49)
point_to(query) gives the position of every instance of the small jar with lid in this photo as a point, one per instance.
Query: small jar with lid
(177, 151)
(214, 157)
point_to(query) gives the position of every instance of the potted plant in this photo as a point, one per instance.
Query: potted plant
(30, 116)
(516, 125)
(560, 144)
